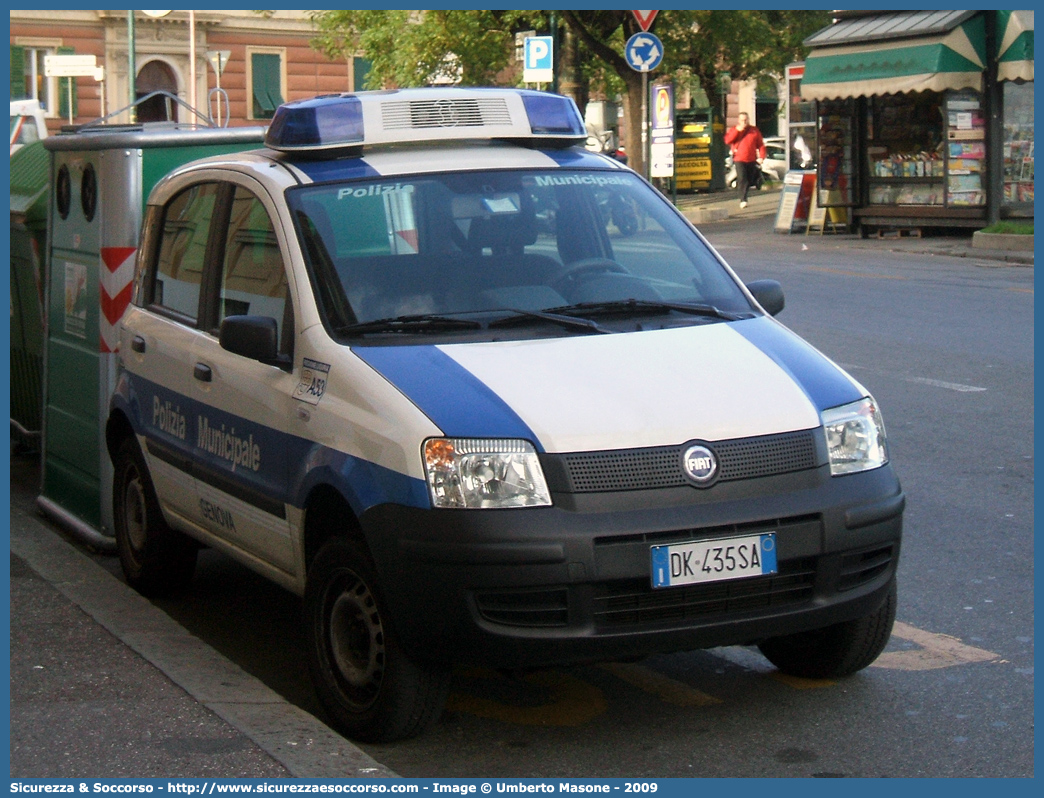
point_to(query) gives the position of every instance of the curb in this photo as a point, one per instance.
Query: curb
(1002, 241)
(301, 743)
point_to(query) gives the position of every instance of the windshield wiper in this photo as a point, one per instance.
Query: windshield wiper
(623, 306)
(409, 324)
(572, 322)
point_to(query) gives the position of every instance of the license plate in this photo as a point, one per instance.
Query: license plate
(713, 560)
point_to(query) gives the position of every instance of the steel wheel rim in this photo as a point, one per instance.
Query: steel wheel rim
(356, 641)
(134, 512)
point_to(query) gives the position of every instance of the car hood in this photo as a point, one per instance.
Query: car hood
(708, 382)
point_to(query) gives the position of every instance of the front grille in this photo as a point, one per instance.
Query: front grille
(795, 526)
(864, 566)
(633, 602)
(542, 608)
(661, 466)
(427, 114)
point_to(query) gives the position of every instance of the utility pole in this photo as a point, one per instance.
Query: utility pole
(132, 69)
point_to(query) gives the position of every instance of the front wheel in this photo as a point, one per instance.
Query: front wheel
(836, 651)
(156, 560)
(371, 689)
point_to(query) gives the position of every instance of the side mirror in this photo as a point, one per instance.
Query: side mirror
(255, 337)
(769, 294)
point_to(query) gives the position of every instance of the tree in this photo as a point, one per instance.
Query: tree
(415, 48)
(706, 43)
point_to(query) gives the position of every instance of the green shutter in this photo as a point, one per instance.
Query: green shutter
(63, 89)
(361, 69)
(265, 74)
(18, 73)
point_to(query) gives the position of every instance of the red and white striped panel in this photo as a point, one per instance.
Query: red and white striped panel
(117, 285)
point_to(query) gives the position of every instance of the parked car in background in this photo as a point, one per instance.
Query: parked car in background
(774, 167)
(27, 123)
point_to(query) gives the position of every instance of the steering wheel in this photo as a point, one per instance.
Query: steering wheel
(584, 266)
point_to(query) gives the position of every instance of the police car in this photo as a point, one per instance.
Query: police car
(403, 363)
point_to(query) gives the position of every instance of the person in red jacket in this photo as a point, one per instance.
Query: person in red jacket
(748, 151)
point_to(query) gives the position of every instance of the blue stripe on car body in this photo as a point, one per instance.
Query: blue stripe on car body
(363, 483)
(823, 382)
(573, 158)
(455, 400)
(335, 169)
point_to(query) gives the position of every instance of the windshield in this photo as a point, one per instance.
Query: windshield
(474, 245)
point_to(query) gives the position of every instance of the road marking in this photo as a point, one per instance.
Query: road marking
(667, 689)
(565, 700)
(1022, 290)
(936, 651)
(951, 386)
(572, 702)
(856, 274)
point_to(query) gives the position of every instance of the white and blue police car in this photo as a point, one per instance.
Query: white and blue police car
(479, 395)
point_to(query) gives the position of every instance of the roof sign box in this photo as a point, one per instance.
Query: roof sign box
(337, 121)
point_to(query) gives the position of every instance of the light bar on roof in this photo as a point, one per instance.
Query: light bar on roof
(339, 121)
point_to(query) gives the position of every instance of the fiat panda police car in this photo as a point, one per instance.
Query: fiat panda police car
(403, 362)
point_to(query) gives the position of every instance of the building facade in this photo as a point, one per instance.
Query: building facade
(232, 67)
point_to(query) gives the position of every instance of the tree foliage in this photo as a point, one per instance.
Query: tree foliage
(411, 48)
(705, 44)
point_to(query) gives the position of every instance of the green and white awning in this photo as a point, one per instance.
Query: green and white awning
(1015, 48)
(895, 53)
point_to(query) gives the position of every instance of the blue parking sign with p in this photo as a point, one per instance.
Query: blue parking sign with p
(539, 59)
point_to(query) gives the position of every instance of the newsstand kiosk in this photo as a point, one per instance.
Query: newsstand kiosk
(100, 179)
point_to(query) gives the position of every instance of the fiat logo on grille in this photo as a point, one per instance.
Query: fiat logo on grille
(700, 465)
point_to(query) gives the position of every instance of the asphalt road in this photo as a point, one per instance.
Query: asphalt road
(946, 346)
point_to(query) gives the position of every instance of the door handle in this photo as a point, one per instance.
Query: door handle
(202, 372)
(138, 343)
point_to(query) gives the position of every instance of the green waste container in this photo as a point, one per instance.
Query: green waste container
(29, 170)
(99, 181)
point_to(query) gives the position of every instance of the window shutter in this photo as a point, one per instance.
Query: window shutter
(63, 89)
(18, 73)
(265, 74)
(361, 69)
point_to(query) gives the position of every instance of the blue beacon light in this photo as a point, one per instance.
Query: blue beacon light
(318, 123)
(552, 113)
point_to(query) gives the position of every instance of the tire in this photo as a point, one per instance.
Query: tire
(372, 691)
(835, 651)
(157, 561)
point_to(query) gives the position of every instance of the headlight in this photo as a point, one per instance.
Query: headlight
(855, 436)
(484, 473)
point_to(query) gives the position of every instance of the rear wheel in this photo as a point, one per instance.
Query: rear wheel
(156, 560)
(363, 678)
(836, 651)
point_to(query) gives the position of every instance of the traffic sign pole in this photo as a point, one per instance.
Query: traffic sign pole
(645, 121)
(643, 53)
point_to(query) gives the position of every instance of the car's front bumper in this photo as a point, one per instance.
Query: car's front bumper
(571, 583)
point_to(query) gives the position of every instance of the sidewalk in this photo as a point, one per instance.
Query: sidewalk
(105, 685)
(722, 207)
